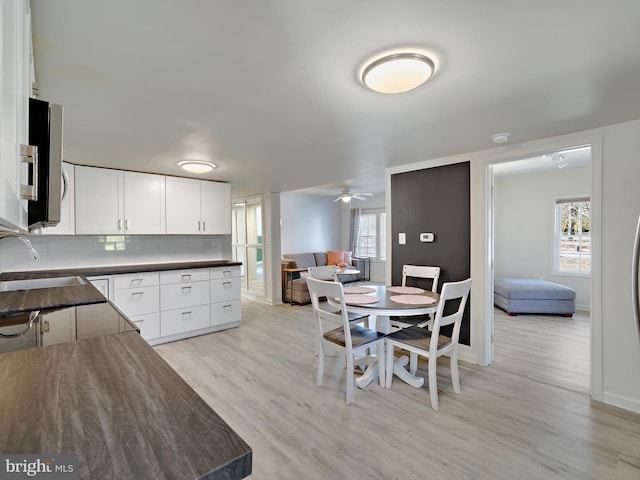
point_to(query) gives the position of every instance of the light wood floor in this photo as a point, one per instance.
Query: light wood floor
(527, 416)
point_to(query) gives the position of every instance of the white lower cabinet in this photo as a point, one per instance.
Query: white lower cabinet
(138, 296)
(175, 304)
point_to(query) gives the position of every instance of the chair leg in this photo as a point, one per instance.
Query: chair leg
(350, 378)
(455, 377)
(320, 363)
(413, 363)
(389, 364)
(381, 367)
(433, 384)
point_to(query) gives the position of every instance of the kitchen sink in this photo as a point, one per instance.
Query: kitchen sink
(35, 283)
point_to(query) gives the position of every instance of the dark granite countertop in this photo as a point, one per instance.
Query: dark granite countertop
(114, 402)
(138, 267)
(27, 300)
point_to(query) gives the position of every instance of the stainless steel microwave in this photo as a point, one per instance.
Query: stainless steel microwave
(45, 173)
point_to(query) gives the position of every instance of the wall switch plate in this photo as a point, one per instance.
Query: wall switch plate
(426, 237)
(402, 238)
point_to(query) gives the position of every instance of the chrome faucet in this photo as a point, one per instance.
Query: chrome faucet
(24, 239)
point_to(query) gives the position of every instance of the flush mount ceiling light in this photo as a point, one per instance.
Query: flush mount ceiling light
(398, 72)
(197, 166)
(500, 137)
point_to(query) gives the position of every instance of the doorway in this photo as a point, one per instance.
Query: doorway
(247, 244)
(530, 238)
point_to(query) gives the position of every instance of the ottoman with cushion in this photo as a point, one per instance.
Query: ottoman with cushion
(534, 296)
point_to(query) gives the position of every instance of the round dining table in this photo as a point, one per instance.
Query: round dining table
(391, 301)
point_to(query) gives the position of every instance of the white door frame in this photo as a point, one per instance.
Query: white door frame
(530, 150)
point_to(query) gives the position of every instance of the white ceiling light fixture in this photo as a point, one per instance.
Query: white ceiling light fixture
(398, 72)
(197, 166)
(500, 137)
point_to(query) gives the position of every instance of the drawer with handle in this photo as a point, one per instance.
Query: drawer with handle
(184, 276)
(225, 289)
(133, 280)
(183, 295)
(135, 301)
(183, 320)
(225, 272)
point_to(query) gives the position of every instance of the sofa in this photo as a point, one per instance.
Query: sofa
(294, 284)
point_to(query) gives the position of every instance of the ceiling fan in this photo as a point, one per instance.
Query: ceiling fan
(347, 195)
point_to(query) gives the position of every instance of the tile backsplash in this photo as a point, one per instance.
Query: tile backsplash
(67, 251)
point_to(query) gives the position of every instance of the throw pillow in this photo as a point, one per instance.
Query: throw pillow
(334, 257)
(347, 258)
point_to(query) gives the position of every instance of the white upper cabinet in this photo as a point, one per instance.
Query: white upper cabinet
(99, 201)
(117, 202)
(15, 89)
(144, 203)
(198, 207)
(215, 208)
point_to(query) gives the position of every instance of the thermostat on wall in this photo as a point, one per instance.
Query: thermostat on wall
(426, 237)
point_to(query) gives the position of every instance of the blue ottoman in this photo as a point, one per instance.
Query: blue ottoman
(535, 296)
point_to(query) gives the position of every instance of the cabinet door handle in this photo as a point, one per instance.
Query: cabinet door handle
(138, 321)
(186, 313)
(119, 224)
(126, 224)
(198, 225)
(226, 273)
(227, 307)
(29, 154)
(226, 284)
(185, 276)
(186, 288)
(137, 293)
(204, 225)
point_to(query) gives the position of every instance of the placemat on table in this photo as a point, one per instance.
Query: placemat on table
(352, 290)
(412, 299)
(360, 299)
(405, 290)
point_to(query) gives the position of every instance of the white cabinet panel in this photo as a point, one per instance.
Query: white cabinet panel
(225, 272)
(99, 200)
(215, 208)
(183, 205)
(149, 325)
(225, 312)
(117, 202)
(15, 89)
(144, 203)
(183, 295)
(135, 280)
(103, 284)
(136, 301)
(184, 276)
(223, 289)
(198, 206)
(173, 322)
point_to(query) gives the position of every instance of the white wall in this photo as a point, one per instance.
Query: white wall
(309, 223)
(524, 207)
(615, 349)
(67, 251)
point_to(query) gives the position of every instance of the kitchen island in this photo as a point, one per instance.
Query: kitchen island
(111, 400)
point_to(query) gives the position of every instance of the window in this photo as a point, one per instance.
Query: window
(371, 234)
(573, 236)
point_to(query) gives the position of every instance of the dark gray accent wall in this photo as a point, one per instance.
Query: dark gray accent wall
(433, 200)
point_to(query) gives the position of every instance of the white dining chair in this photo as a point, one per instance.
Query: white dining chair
(349, 336)
(419, 271)
(409, 274)
(430, 343)
(324, 272)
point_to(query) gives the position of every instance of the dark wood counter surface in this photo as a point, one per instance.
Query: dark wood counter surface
(132, 268)
(114, 402)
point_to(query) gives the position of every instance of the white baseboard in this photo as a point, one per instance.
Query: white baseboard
(632, 404)
(466, 354)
